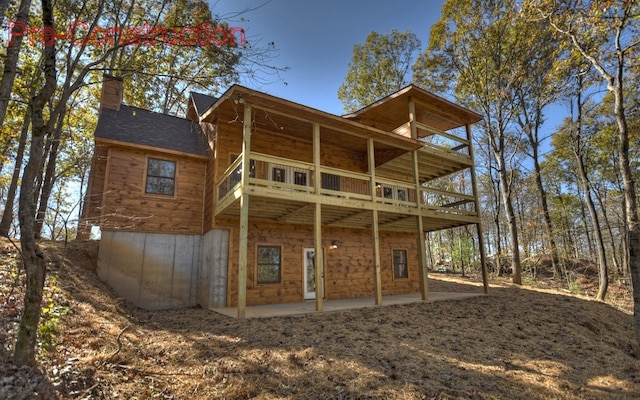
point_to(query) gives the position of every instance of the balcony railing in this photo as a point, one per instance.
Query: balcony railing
(282, 174)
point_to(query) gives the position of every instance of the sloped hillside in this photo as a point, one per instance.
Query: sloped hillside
(514, 344)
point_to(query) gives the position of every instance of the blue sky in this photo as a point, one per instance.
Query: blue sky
(315, 38)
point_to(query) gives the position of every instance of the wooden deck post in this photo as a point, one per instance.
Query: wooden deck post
(376, 258)
(317, 181)
(474, 184)
(422, 250)
(422, 256)
(317, 222)
(374, 224)
(244, 214)
(412, 119)
(319, 257)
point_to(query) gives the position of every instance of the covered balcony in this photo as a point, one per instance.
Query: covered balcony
(372, 170)
(284, 190)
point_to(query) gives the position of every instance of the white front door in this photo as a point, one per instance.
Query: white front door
(309, 274)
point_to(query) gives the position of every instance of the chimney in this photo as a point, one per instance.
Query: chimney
(111, 92)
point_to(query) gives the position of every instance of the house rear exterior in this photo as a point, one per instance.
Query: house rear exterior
(252, 199)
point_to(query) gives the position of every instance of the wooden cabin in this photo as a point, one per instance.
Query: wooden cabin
(253, 199)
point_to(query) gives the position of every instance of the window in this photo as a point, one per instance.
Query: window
(161, 176)
(400, 269)
(395, 193)
(268, 264)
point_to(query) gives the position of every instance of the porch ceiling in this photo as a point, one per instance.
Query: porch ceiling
(392, 111)
(432, 164)
(282, 117)
(302, 213)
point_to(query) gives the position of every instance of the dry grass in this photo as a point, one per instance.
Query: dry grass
(514, 344)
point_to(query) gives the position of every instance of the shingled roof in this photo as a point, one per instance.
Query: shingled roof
(137, 126)
(202, 102)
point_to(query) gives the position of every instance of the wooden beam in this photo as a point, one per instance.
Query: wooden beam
(457, 203)
(435, 131)
(376, 258)
(372, 168)
(395, 222)
(317, 175)
(446, 153)
(338, 124)
(422, 256)
(474, 184)
(295, 212)
(242, 262)
(448, 193)
(244, 214)
(317, 220)
(319, 256)
(341, 221)
(460, 147)
(374, 224)
(412, 119)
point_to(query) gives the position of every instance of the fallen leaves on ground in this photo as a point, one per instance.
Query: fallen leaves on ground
(514, 344)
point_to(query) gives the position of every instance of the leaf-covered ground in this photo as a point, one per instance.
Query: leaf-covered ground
(517, 343)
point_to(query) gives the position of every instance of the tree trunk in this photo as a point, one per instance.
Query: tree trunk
(11, 61)
(602, 259)
(505, 190)
(633, 222)
(32, 258)
(7, 216)
(586, 189)
(607, 223)
(590, 253)
(4, 4)
(555, 260)
(496, 221)
(40, 176)
(625, 241)
(81, 204)
(49, 176)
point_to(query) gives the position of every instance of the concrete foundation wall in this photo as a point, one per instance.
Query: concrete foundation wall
(159, 271)
(214, 269)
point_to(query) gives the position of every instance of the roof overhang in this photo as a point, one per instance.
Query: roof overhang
(232, 102)
(391, 112)
(111, 142)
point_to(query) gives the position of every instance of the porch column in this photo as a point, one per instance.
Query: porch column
(374, 224)
(244, 214)
(412, 119)
(422, 255)
(474, 184)
(317, 222)
(319, 258)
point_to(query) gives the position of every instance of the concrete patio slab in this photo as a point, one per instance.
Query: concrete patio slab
(309, 307)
